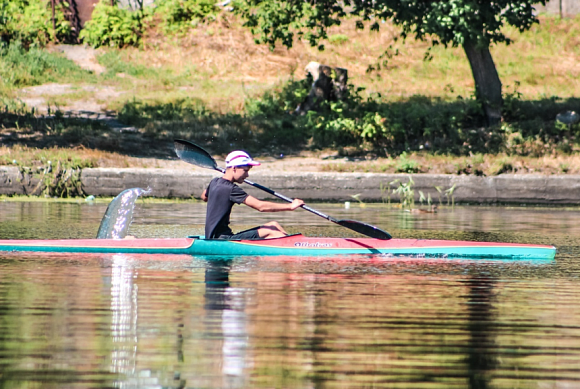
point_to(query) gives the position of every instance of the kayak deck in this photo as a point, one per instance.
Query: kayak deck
(295, 245)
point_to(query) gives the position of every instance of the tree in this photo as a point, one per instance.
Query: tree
(473, 24)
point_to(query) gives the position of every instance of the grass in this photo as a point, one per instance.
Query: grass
(233, 67)
(20, 68)
(225, 67)
(478, 164)
(216, 87)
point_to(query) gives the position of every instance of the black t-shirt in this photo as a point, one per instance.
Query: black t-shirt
(222, 195)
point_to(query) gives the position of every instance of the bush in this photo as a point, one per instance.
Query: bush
(30, 22)
(420, 123)
(118, 27)
(177, 16)
(113, 26)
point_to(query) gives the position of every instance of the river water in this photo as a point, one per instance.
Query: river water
(156, 321)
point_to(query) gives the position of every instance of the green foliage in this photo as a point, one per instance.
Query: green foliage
(280, 100)
(117, 27)
(419, 123)
(30, 22)
(189, 118)
(386, 190)
(475, 25)
(60, 178)
(407, 165)
(450, 22)
(20, 67)
(113, 26)
(406, 193)
(178, 16)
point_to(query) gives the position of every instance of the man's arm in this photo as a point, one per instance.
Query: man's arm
(268, 206)
(204, 195)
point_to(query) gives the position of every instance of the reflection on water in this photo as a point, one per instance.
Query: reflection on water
(156, 321)
(124, 314)
(225, 309)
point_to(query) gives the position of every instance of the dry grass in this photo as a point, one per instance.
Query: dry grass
(18, 155)
(486, 165)
(222, 65)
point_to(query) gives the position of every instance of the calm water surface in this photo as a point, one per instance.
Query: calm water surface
(155, 321)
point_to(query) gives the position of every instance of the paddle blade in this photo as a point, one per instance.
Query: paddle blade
(119, 214)
(365, 229)
(192, 153)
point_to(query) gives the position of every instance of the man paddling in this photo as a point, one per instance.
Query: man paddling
(222, 193)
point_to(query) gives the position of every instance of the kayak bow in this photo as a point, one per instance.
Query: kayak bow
(294, 245)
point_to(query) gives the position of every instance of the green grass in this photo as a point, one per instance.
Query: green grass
(219, 90)
(20, 68)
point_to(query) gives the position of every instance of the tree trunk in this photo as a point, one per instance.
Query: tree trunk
(487, 82)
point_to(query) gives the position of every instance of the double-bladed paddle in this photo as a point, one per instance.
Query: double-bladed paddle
(192, 153)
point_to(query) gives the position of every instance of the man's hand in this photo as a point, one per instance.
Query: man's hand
(297, 203)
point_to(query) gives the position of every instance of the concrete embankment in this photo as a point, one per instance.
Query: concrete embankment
(328, 187)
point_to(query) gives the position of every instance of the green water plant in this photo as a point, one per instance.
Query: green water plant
(422, 198)
(357, 198)
(59, 180)
(449, 195)
(440, 192)
(406, 193)
(386, 190)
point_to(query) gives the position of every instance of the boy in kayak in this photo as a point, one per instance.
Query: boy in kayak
(222, 193)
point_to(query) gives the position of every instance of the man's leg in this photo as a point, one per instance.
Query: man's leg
(271, 230)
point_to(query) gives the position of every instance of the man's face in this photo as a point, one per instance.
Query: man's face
(241, 173)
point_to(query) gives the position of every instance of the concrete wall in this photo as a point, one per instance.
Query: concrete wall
(328, 187)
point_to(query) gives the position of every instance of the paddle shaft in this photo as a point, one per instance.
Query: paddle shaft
(282, 197)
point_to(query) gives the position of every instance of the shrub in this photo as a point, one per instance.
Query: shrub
(177, 16)
(113, 26)
(421, 123)
(30, 22)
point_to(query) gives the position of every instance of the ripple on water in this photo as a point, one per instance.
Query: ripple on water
(72, 320)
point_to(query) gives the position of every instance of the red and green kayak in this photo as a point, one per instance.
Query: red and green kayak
(293, 245)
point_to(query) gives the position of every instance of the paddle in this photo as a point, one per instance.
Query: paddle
(192, 153)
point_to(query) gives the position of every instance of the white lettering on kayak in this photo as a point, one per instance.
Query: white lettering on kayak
(314, 244)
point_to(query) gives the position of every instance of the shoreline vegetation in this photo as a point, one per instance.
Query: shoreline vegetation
(213, 85)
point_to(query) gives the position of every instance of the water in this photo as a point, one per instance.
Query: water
(155, 321)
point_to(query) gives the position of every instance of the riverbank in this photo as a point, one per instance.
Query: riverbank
(65, 118)
(188, 183)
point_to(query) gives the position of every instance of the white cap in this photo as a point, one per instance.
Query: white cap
(240, 158)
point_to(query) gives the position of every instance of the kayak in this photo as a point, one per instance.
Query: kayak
(293, 245)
